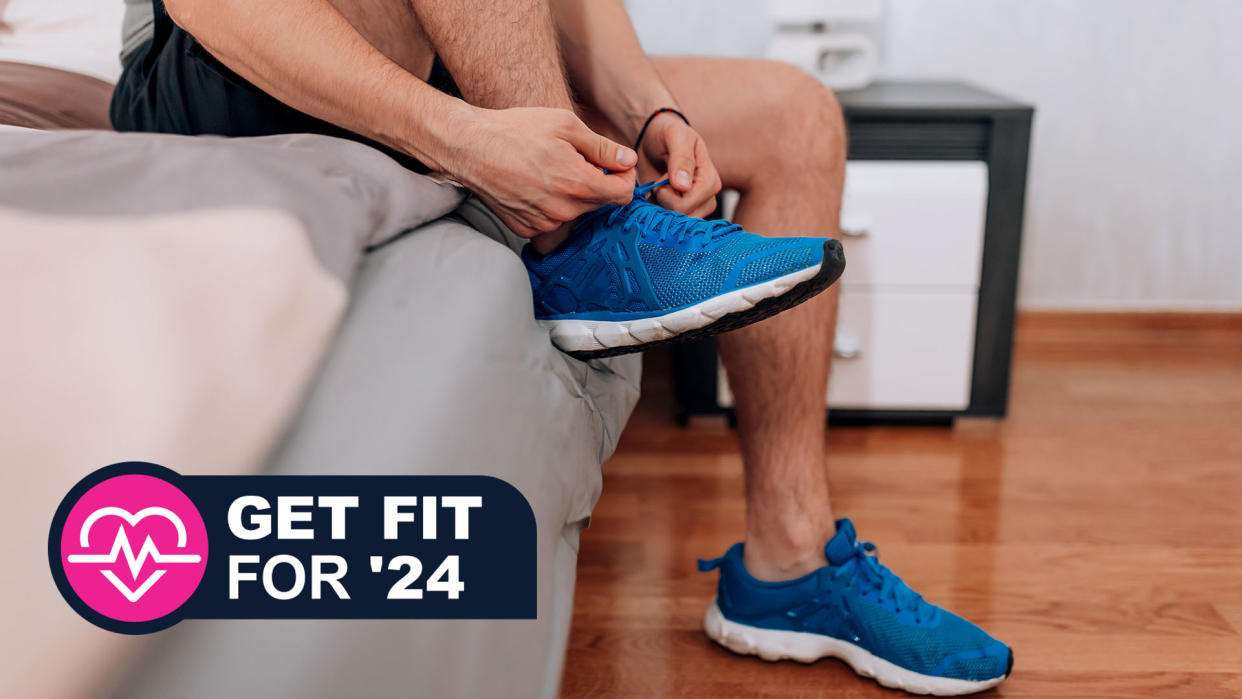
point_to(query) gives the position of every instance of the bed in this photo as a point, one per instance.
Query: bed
(290, 304)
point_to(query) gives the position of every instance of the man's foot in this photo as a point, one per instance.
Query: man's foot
(634, 276)
(857, 610)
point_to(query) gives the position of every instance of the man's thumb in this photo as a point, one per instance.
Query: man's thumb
(681, 160)
(602, 152)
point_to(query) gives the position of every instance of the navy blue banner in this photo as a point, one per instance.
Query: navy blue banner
(131, 555)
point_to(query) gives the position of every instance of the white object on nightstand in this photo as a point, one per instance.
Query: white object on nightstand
(809, 35)
(843, 61)
(913, 237)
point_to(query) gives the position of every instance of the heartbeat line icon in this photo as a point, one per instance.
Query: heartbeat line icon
(121, 547)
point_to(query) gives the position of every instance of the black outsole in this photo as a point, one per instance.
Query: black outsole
(829, 271)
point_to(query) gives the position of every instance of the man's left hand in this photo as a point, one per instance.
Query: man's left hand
(672, 149)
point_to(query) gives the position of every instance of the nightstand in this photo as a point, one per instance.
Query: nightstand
(932, 225)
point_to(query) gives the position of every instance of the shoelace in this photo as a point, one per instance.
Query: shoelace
(891, 589)
(652, 221)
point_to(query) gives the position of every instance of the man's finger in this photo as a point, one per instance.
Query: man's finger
(703, 185)
(706, 174)
(702, 192)
(518, 224)
(611, 188)
(681, 151)
(706, 209)
(682, 203)
(519, 228)
(600, 151)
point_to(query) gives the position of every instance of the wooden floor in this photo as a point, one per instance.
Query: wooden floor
(1097, 529)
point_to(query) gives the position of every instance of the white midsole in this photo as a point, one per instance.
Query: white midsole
(805, 647)
(573, 335)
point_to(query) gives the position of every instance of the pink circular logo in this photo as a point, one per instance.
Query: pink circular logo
(133, 548)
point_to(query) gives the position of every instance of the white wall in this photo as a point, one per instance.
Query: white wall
(703, 27)
(1135, 191)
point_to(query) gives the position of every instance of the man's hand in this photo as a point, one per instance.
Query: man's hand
(672, 149)
(540, 168)
(610, 72)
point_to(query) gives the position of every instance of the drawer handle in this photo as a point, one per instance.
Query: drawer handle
(846, 348)
(855, 225)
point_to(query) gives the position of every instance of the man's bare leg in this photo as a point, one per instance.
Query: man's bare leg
(789, 169)
(783, 147)
(500, 54)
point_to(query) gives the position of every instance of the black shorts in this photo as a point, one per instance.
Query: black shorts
(171, 84)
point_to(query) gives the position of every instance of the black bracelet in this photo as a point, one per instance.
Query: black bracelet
(643, 131)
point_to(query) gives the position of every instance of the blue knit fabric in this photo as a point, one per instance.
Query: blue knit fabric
(783, 260)
(641, 260)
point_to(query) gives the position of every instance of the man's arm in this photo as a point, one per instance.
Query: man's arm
(608, 67)
(307, 55)
(607, 64)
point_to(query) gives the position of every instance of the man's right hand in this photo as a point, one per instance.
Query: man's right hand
(538, 168)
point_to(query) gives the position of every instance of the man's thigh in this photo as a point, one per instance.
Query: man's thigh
(172, 84)
(392, 27)
(750, 112)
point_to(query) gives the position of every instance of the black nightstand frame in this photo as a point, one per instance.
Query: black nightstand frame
(927, 121)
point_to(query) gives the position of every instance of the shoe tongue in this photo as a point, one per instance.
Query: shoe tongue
(842, 544)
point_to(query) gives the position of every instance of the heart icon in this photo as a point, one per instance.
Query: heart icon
(121, 546)
(133, 548)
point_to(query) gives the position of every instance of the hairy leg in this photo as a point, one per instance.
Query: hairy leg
(783, 148)
(776, 135)
(500, 54)
(391, 27)
(789, 168)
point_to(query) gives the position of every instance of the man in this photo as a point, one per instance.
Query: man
(483, 91)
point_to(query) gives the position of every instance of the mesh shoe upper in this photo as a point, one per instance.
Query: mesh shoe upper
(856, 599)
(637, 260)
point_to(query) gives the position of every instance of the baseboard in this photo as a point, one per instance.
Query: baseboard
(1134, 306)
(1148, 319)
(1173, 335)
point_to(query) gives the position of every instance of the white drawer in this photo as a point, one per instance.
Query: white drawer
(913, 223)
(911, 351)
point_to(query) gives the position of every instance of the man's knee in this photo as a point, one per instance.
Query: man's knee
(807, 124)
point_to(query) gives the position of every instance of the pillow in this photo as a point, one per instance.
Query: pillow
(137, 338)
(39, 97)
(83, 36)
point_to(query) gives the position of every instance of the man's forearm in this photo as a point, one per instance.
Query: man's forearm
(607, 64)
(308, 56)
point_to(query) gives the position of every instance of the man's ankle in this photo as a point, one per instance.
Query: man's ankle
(788, 556)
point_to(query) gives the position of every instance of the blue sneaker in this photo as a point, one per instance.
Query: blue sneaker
(635, 276)
(857, 610)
